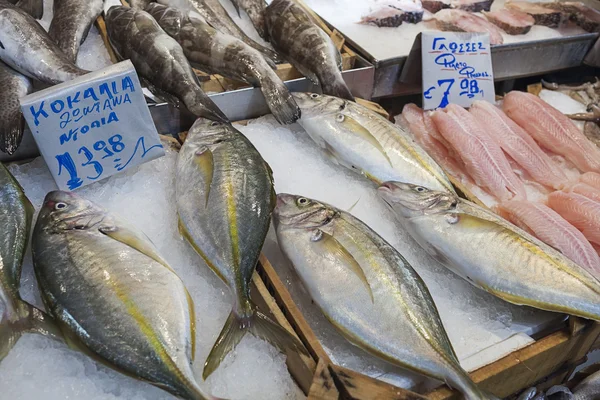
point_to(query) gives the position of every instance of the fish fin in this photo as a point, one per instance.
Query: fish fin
(271, 62)
(135, 240)
(205, 162)
(311, 76)
(192, 310)
(280, 101)
(332, 246)
(260, 326)
(354, 126)
(12, 132)
(35, 8)
(337, 87)
(353, 205)
(237, 8)
(160, 94)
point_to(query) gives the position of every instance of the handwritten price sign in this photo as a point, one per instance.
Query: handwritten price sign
(93, 127)
(457, 68)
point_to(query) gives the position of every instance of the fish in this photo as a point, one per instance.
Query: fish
(482, 157)
(472, 5)
(216, 16)
(587, 389)
(18, 317)
(541, 15)
(586, 190)
(101, 278)
(434, 6)
(462, 21)
(547, 225)
(491, 253)
(35, 8)
(583, 15)
(581, 211)
(26, 47)
(256, 12)
(591, 178)
(71, 23)
(365, 142)
(225, 197)
(518, 145)
(218, 53)
(159, 59)
(139, 4)
(552, 129)
(15, 86)
(367, 289)
(393, 13)
(306, 46)
(513, 22)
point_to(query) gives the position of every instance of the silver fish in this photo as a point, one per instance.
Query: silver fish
(159, 59)
(216, 16)
(35, 8)
(27, 48)
(225, 197)
(71, 23)
(114, 295)
(493, 254)
(307, 47)
(14, 86)
(18, 317)
(364, 141)
(218, 53)
(256, 12)
(367, 290)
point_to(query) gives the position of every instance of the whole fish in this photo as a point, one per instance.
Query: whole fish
(218, 53)
(256, 12)
(493, 254)
(14, 86)
(114, 295)
(367, 290)
(27, 48)
(159, 59)
(216, 16)
(307, 47)
(35, 8)
(18, 317)
(71, 23)
(366, 142)
(225, 197)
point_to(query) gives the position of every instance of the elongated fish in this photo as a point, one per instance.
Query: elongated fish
(14, 86)
(366, 142)
(159, 59)
(552, 129)
(114, 295)
(307, 47)
(35, 8)
(256, 12)
(548, 226)
(216, 16)
(484, 159)
(27, 48)
(493, 254)
(367, 290)
(218, 53)
(225, 197)
(18, 317)
(71, 23)
(582, 212)
(518, 144)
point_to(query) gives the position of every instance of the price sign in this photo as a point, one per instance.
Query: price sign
(93, 127)
(457, 68)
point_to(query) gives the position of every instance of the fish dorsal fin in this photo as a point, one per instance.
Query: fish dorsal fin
(331, 245)
(133, 239)
(354, 126)
(205, 162)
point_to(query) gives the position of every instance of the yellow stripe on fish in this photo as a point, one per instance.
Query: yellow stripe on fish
(354, 126)
(205, 161)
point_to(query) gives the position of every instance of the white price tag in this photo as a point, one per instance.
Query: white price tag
(93, 127)
(457, 68)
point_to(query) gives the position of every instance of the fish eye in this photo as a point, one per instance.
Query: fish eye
(302, 201)
(314, 96)
(340, 118)
(60, 206)
(215, 123)
(420, 189)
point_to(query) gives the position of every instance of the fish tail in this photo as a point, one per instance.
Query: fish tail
(336, 87)
(280, 101)
(24, 318)
(259, 325)
(35, 8)
(12, 127)
(202, 106)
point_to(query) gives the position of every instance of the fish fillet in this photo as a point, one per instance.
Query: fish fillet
(591, 178)
(541, 15)
(580, 211)
(548, 226)
(513, 22)
(518, 144)
(586, 190)
(462, 21)
(483, 158)
(552, 129)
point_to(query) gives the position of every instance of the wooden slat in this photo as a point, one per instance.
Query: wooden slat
(323, 386)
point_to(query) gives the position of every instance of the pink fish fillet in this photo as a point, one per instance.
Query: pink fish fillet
(518, 144)
(548, 226)
(586, 190)
(591, 178)
(462, 21)
(552, 129)
(581, 212)
(483, 158)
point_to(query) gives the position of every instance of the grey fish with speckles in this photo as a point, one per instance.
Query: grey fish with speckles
(218, 53)
(14, 86)
(159, 59)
